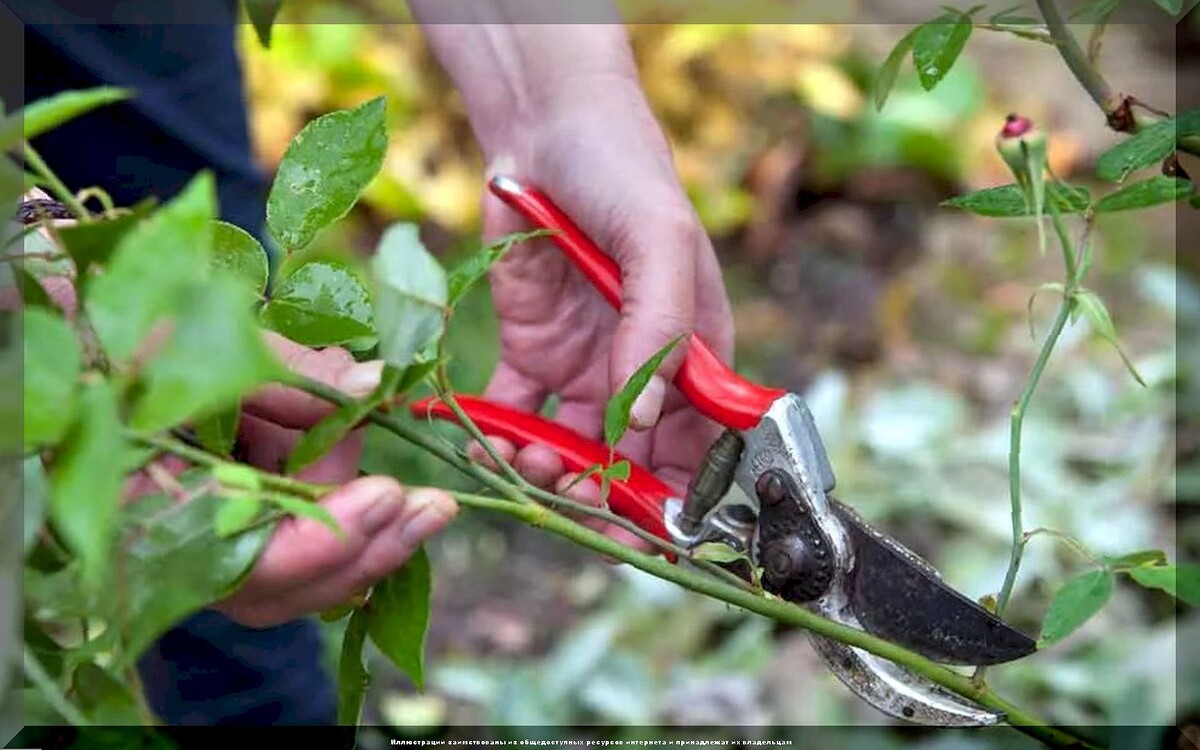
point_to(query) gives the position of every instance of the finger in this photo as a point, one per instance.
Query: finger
(305, 549)
(583, 416)
(508, 386)
(503, 448)
(289, 407)
(541, 466)
(421, 515)
(657, 259)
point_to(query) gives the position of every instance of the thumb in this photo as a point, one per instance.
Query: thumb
(658, 268)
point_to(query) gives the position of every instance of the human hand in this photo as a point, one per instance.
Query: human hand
(598, 152)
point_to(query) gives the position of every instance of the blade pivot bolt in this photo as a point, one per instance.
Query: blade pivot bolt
(770, 489)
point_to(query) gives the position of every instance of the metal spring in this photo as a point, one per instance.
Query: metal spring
(713, 479)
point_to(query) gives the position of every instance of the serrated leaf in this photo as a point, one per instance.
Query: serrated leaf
(46, 114)
(936, 46)
(475, 266)
(215, 355)
(86, 480)
(353, 676)
(717, 552)
(320, 304)
(1181, 580)
(398, 616)
(151, 265)
(1075, 603)
(1093, 307)
(1145, 193)
(1008, 201)
(235, 515)
(885, 79)
(331, 430)
(237, 251)
(410, 295)
(1135, 559)
(176, 564)
(324, 170)
(616, 411)
(52, 363)
(262, 15)
(1150, 145)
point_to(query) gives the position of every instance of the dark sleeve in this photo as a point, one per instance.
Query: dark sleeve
(189, 112)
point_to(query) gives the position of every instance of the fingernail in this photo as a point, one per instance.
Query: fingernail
(431, 512)
(361, 379)
(382, 511)
(648, 405)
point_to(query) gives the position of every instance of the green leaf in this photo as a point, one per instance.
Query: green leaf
(237, 476)
(1093, 307)
(320, 304)
(103, 698)
(1151, 192)
(1174, 7)
(885, 79)
(176, 564)
(1095, 11)
(262, 14)
(93, 244)
(46, 114)
(33, 294)
(218, 432)
(1181, 580)
(86, 480)
(1007, 201)
(1075, 603)
(53, 362)
(616, 412)
(936, 46)
(353, 677)
(236, 250)
(473, 268)
(331, 430)
(324, 170)
(34, 497)
(398, 616)
(235, 515)
(410, 295)
(619, 471)
(151, 266)
(1135, 559)
(717, 552)
(1150, 145)
(216, 355)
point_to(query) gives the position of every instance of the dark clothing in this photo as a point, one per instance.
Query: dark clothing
(188, 114)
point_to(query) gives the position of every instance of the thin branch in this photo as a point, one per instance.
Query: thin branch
(1116, 110)
(781, 611)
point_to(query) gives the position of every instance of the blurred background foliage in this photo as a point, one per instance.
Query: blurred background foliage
(905, 324)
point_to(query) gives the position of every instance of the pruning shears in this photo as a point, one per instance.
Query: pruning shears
(765, 489)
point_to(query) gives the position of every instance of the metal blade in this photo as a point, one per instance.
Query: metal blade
(898, 596)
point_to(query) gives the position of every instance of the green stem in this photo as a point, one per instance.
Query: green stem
(1086, 72)
(45, 684)
(56, 185)
(488, 479)
(517, 506)
(1014, 453)
(778, 610)
(199, 457)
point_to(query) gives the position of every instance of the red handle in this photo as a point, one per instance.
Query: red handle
(639, 499)
(708, 383)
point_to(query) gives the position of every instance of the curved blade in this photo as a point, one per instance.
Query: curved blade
(899, 597)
